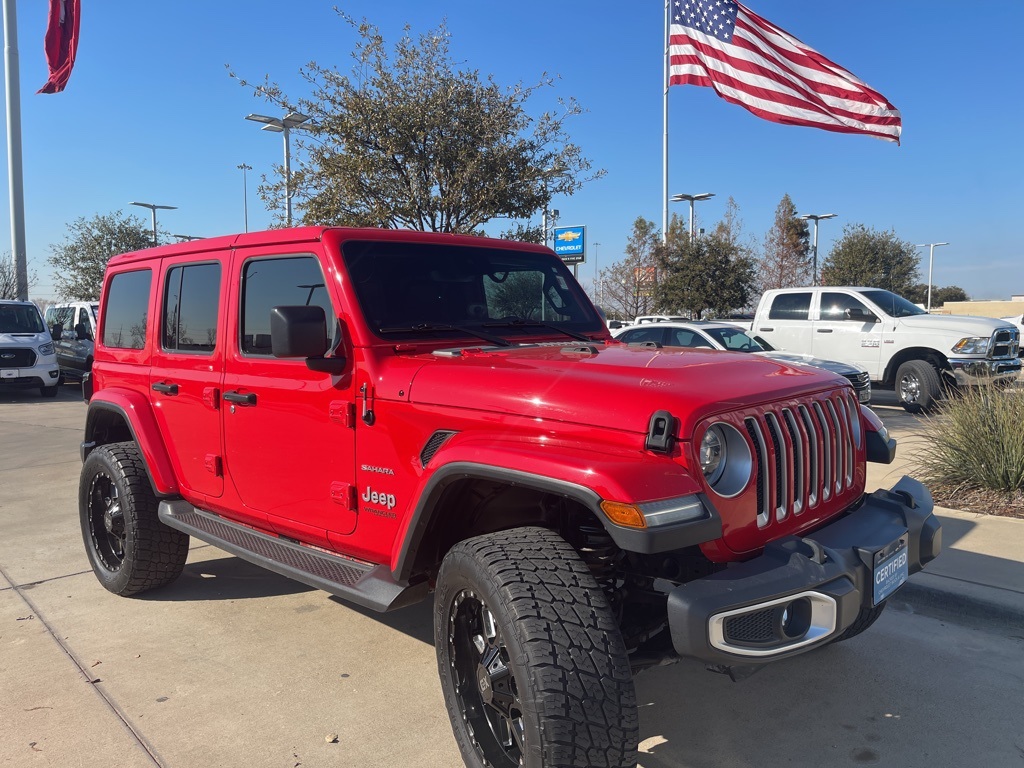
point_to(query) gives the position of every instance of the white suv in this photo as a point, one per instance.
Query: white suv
(27, 357)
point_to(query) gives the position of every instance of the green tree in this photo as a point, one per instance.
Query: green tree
(524, 233)
(785, 261)
(627, 286)
(919, 294)
(411, 139)
(79, 260)
(710, 273)
(863, 256)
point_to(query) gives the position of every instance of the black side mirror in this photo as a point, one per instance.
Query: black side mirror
(57, 331)
(860, 315)
(301, 331)
(81, 332)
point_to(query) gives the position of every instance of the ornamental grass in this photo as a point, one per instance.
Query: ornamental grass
(975, 443)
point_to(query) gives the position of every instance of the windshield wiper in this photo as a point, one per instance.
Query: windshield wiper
(498, 340)
(519, 322)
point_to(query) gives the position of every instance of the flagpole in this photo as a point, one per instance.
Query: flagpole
(664, 138)
(16, 184)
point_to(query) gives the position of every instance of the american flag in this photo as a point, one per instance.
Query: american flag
(751, 62)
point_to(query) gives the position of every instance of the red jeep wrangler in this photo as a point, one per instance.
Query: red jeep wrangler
(386, 414)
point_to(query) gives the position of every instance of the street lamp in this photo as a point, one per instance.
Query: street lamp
(816, 217)
(597, 275)
(187, 238)
(153, 207)
(245, 193)
(931, 257)
(283, 125)
(692, 198)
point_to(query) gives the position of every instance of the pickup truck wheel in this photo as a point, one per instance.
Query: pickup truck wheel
(129, 549)
(865, 619)
(918, 386)
(533, 668)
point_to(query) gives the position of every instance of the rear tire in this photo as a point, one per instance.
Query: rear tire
(129, 549)
(918, 386)
(533, 668)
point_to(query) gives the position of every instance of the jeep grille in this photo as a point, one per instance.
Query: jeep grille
(804, 454)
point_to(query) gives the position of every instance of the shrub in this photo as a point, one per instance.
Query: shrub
(976, 441)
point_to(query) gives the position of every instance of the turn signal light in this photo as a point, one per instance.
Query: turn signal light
(624, 514)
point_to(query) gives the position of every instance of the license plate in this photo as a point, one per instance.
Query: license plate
(8, 374)
(864, 396)
(891, 569)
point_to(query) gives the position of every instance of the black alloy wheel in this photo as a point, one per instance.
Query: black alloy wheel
(106, 522)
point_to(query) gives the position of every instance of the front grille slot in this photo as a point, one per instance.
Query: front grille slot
(17, 358)
(1005, 343)
(803, 455)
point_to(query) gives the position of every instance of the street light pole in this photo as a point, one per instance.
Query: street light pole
(816, 217)
(692, 198)
(153, 207)
(931, 258)
(245, 193)
(283, 125)
(597, 275)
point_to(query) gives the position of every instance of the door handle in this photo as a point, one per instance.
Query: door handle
(249, 398)
(764, 330)
(167, 389)
(824, 330)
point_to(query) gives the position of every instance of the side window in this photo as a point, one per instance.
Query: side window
(790, 306)
(834, 305)
(641, 335)
(191, 304)
(679, 337)
(275, 282)
(124, 326)
(82, 319)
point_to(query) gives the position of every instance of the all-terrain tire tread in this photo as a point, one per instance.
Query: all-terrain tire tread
(155, 554)
(579, 664)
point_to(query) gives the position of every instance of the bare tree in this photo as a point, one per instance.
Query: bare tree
(9, 278)
(784, 263)
(628, 286)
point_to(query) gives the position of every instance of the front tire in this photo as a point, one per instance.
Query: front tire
(533, 668)
(129, 549)
(918, 386)
(49, 391)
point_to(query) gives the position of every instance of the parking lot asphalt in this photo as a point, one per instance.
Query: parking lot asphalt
(233, 665)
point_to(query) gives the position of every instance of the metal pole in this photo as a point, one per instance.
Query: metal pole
(814, 268)
(154, 227)
(15, 178)
(245, 193)
(287, 176)
(664, 126)
(931, 258)
(691, 219)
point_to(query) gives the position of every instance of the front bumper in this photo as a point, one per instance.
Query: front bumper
(802, 592)
(968, 371)
(39, 375)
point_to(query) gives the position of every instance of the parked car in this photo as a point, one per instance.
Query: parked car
(1017, 320)
(73, 327)
(901, 346)
(726, 336)
(27, 358)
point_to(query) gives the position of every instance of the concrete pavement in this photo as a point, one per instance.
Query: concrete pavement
(173, 679)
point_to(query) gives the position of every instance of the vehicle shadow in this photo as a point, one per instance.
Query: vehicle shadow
(225, 578)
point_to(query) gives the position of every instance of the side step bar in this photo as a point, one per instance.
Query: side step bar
(371, 586)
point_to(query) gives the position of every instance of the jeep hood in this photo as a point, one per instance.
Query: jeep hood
(616, 387)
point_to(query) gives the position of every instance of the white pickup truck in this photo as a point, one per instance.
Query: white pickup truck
(898, 343)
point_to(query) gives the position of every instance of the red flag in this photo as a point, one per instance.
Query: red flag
(61, 43)
(751, 62)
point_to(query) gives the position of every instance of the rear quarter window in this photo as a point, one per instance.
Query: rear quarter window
(127, 305)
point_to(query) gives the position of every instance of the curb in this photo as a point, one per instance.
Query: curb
(975, 605)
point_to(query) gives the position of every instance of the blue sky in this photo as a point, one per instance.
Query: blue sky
(150, 114)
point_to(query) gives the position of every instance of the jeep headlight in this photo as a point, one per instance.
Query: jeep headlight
(713, 454)
(725, 459)
(972, 345)
(46, 349)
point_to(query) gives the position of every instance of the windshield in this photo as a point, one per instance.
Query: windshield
(20, 318)
(893, 305)
(736, 340)
(430, 291)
